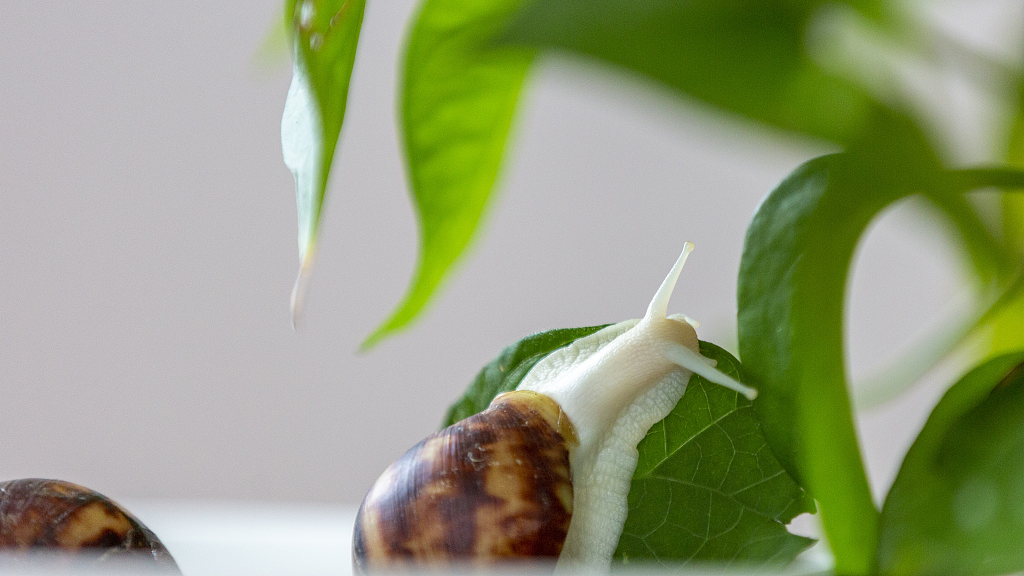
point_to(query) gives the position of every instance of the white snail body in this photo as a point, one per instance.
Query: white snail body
(605, 392)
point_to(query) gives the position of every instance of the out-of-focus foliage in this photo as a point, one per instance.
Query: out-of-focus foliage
(957, 504)
(745, 56)
(832, 71)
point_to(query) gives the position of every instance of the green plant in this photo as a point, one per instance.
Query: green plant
(831, 70)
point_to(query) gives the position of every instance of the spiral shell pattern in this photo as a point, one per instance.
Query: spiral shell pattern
(495, 486)
(52, 515)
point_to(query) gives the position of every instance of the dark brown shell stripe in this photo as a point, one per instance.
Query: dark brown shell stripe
(38, 514)
(493, 487)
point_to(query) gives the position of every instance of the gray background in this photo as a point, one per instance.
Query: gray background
(147, 250)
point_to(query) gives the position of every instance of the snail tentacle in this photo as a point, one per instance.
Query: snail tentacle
(694, 362)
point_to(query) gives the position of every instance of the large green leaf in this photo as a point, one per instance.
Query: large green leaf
(706, 488)
(745, 56)
(792, 279)
(957, 505)
(458, 100)
(325, 33)
(793, 273)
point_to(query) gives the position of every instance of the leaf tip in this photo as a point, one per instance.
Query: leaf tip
(372, 340)
(300, 288)
(393, 324)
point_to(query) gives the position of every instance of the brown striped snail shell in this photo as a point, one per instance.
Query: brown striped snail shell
(495, 485)
(53, 516)
(545, 471)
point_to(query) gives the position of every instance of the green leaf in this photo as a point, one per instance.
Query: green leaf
(1006, 332)
(796, 257)
(957, 505)
(745, 56)
(325, 33)
(793, 273)
(1013, 206)
(707, 487)
(458, 100)
(504, 373)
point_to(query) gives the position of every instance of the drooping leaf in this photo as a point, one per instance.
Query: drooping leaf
(793, 273)
(707, 487)
(792, 279)
(325, 34)
(748, 57)
(957, 504)
(458, 99)
(504, 373)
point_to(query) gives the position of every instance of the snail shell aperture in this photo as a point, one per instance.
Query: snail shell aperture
(545, 471)
(55, 516)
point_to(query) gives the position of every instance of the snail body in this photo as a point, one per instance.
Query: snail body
(39, 515)
(597, 397)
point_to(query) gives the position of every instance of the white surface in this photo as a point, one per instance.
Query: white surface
(252, 539)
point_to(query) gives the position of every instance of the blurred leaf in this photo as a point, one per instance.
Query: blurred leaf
(744, 56)
(987, 254)
(325, 36)
(1006, 328)
(1013, 207)
(458, 101)
(504, 373)
(707, 487)
(1013, 221)
(957, 505)
(1006, 332)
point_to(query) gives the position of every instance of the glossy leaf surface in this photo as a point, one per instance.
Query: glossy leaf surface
(1006, 334)
(793, 273)
(458, 99)
(706, 487)
(957, 505)
(325, 34)
(796, 257)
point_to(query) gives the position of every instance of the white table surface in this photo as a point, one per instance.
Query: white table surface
(223, 538)
(252, 538)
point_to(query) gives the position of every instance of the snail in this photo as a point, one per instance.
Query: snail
(55, 516)
(543, 473)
